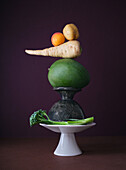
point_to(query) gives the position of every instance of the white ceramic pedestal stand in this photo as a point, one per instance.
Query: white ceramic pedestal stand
(67, 144)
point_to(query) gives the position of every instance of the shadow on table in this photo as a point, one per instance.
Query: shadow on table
(103, 145)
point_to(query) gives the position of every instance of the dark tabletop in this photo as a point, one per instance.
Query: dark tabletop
(99, 153)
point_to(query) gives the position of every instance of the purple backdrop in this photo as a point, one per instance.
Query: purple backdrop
(24, 84)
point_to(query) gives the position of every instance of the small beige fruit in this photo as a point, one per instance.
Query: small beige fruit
(71, 32)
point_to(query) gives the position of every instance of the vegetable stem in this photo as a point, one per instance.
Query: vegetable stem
(40, 116)
(82, 121)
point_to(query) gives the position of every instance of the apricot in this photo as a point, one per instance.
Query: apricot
(57, 38)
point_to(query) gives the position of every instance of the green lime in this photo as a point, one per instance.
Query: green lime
(68, 73)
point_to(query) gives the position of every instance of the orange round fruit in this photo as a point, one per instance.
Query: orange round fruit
(57, 38)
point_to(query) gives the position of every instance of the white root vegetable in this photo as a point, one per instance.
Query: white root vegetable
(70, 49)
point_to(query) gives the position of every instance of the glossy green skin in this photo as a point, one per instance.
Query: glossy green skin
(68, 73)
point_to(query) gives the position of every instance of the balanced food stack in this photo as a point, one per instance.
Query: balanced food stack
(65, 72)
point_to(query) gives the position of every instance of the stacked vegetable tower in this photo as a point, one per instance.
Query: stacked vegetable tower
(66, 75)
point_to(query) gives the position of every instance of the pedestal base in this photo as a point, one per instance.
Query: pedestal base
(67, 146)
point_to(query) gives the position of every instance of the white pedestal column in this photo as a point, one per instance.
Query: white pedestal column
(67, 145)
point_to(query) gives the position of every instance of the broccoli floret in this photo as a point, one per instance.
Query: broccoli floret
(40, 116)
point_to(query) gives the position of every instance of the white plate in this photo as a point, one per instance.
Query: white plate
(67, 144)
(68, 128)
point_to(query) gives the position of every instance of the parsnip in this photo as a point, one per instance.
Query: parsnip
(70, 49)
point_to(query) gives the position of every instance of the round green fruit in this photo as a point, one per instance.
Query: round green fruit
(68, 73)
